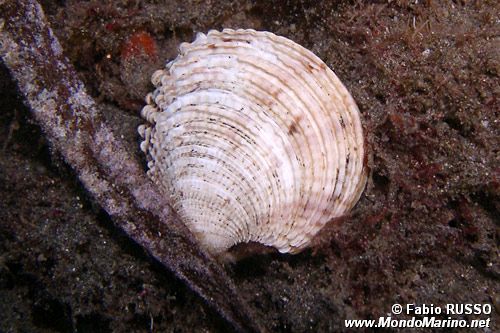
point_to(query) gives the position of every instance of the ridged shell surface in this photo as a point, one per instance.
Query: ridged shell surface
(253, 138)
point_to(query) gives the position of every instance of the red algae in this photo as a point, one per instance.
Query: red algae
(138, 44)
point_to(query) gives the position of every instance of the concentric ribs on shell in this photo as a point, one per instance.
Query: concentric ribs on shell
(253, 138)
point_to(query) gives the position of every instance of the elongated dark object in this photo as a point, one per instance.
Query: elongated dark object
(72, 123)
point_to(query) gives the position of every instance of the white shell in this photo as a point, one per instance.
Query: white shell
(253, 138)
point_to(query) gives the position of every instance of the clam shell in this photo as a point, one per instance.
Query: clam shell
(253, 138)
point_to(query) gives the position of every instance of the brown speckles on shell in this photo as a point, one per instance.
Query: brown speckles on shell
(254, 139)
